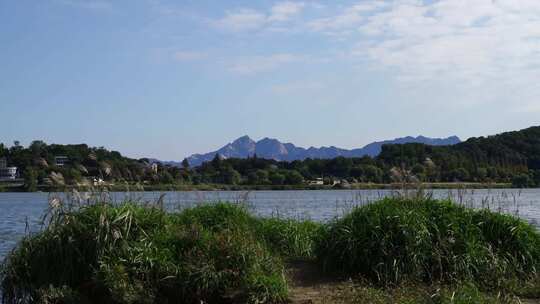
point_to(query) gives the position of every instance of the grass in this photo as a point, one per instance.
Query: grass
(128, 254)
(463, 293)
(288, 239)
(396, 240)
(397, 250)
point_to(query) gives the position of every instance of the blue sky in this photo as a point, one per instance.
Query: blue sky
(166, 79)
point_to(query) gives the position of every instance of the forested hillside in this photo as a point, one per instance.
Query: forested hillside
(503, 157)
(82, 165)
(512, 157)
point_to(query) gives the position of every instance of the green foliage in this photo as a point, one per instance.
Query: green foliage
(37, 162)
(286, 238)
(277, 178)
(294, 178)
(54, 295)
(231, 176)
(166, 178)
(216, 217)
(258, 177)
(30, 179)
(521, 181)
(426, 240)
(220, 253)
(129, 254)
(463, 293)
(185, 163)
(289, 238)
(511, 157)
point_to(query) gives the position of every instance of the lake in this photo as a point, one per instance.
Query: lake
(22, 212)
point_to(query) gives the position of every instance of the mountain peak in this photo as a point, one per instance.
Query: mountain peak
(269, 140)
(243, 140)
(271, 148)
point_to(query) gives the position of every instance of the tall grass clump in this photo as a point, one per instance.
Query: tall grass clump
(421, 239)
(133, 254)
(292, 239)
(287, 238)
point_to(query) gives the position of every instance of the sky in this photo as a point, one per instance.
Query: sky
(166, 79)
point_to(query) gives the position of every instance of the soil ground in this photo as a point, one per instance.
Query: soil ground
(308, 285)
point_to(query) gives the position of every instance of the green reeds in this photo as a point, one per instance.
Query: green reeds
(131, 254)
(395, 240)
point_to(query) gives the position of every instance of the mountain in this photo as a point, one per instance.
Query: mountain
(165, 162)
(270, 148)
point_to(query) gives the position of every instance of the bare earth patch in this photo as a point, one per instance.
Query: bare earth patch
(308, 285)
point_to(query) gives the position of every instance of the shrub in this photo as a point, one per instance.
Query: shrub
(427, 240)
(289, 238)
(132, 254)
(216, 217)
(284, 237)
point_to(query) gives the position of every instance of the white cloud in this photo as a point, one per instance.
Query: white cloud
(285, 10)
(484, 50)
(257, 64)
(246, 19)
(347, 20)
(242, 20)
(487, 50)
(465, 39)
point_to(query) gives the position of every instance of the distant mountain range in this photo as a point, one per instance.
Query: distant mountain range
(270, 148)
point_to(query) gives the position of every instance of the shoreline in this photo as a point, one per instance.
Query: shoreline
(222, 187)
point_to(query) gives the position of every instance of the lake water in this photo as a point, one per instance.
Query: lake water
(22, 212)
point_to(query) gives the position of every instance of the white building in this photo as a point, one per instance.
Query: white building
(8, 173)
(318, 181)
(61, 161)
(98, 181)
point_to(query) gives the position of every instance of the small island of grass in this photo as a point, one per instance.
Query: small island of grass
(397, 250)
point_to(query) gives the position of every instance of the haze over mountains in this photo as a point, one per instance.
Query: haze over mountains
(270, 148)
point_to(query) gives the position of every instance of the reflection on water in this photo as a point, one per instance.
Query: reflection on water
(22, 212)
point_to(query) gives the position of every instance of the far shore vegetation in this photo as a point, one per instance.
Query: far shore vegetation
(138, 187)
(506, 160)
(403, 249)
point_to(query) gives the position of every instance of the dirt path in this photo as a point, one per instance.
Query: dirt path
(309, 286)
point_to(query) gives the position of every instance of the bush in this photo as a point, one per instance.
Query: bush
(132, 254)
(522, 181)
(289, 238)
(286, 238)
(397, 239)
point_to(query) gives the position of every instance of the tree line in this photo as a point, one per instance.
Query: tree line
(512, 157)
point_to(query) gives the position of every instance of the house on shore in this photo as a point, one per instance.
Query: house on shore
(61, 161)
(318, 181)
(7, 173)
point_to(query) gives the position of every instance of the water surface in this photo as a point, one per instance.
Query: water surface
(22, 212)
